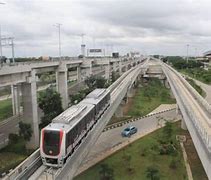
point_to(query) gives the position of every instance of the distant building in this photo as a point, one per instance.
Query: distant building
(95, 52)
(134, 54)
(45, 58)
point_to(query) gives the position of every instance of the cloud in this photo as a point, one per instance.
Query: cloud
(153, 26)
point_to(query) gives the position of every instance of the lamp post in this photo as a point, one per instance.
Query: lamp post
(0, 39)
(187, 58)
(58, 25)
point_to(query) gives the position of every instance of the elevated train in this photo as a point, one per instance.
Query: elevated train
(61, 137)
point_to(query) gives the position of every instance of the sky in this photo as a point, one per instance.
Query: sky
(148, 26)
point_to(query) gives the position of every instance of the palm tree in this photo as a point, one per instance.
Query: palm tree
(152, 173)
(106, 173)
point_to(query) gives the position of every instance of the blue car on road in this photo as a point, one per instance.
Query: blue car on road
(127, 132)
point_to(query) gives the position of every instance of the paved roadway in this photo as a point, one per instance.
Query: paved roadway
(206, 88)
(111, 138)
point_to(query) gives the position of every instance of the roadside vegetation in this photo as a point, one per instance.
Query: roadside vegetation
(147, 98)
(196, 87)
(155, 156)
(5, 109)
(191, 68)
(91, 83)
(15, 152)
(51, 104)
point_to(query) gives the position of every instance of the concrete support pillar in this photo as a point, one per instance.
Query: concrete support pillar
(120, 68)
(57, 81)
(15, 90)
(119, 111)
(116, 66)
(78, 73)
(30, 112)
(62, 85)
(183, 125)
(166, 84)
(178, 110)
(131, 92)
(13, 99)
(107, 71)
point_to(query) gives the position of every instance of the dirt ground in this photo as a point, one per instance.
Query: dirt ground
(193, 158)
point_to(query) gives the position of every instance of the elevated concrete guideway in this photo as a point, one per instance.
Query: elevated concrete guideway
(196, 114)
(23, 80)
(119, 90)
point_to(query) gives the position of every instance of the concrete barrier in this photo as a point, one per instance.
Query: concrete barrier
(23, 167)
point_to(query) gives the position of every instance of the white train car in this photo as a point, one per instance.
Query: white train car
(100, 98)
(61, 137)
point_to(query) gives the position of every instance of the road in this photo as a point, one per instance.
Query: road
(112, 138)
(206, 88)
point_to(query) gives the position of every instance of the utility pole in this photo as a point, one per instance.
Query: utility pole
(9, 41)
(0, 47)
(58, 25)
(0, 40)
(187, 58)
(196, 51)
(83, 46)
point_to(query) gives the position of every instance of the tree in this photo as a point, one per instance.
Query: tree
(168, 131)
(13, 138)
(114, 76)
(152, 173)
(25, 131)
(50, 103)
(106, 173)
(95, 82)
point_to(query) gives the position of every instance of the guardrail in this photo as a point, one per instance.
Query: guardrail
(199, 98)
(200, 126)
(119, 124)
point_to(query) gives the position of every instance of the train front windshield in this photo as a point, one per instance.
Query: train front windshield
(51, 142)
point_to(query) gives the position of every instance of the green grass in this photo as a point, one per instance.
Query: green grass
(199, 74)
(9, 160)
(140, 161)
(145, 100)
(196, 87)
(13, 154)
(150, 97)
(5, 109)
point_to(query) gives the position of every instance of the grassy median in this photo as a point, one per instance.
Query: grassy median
(147, 98)
(142, 158)
(5, 109)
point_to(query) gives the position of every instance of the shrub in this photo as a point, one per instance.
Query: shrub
(13, 138)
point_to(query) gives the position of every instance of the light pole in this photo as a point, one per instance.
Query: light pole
(58, 25)
(0, 39)
(0, 46)
(187, 58)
